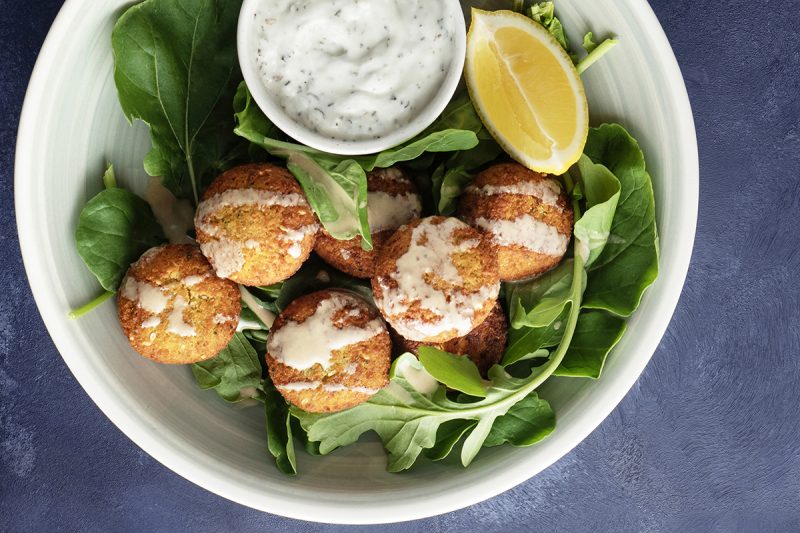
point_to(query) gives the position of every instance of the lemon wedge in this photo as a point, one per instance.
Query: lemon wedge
(526, 90)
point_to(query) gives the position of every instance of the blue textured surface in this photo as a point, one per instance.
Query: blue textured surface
(708, 439)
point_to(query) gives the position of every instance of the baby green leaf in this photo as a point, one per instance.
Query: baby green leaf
(449, 140)
(235, 373)
(596, 334)
(629, 261)
(447, 437)
(114, 229)
(456, 371)
(544, 14)
(280, 441)
(448, 186)
(408, 421)
(601, 189)
(528, 422)
(176, 70)
(588, 43)
(539, 302)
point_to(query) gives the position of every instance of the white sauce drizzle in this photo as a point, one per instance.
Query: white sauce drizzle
(455, 308)
(528, 232)
(388, 212)
(312, 342)
(219, 318)
(298, 386)
(151, 322)
(176, 217)
(226, 254)
(354, 70)
(148, 297)
(175, 321)
(191, 281)
(547, 190)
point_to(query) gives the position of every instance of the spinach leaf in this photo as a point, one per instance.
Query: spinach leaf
(596, 334)
(539, 302)
(455, 371)
(528, 422)
(448, 186)
(114, 229)
(629, 261)
(280, 439)
(176, 70)
(601, 190)
(235, 373)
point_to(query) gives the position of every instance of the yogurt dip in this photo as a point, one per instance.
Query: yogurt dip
(354, 70)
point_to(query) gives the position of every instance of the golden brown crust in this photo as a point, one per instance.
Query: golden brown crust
(484, 345)
(477, 268)
(179, 271)
(348, 256)
(354, 368)
(515, 262)
(256, 229)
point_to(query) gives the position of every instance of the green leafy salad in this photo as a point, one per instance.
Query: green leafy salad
(176, 70)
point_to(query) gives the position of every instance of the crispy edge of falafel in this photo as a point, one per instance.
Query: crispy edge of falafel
(170, 264)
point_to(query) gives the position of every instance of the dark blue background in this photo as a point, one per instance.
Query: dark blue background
(707, 440)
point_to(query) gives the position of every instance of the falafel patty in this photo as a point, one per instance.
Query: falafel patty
(174, 309)
(328, 351)
(435, 280)
(484, 345)
(255, 225)
(392, 200)
(525, 213)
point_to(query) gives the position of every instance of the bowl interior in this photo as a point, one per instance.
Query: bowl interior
(72, 124)
(248, 43)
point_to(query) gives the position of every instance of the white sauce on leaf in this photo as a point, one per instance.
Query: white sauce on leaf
(389, 212)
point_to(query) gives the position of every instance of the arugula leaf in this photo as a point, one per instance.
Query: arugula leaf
(526, 423)
(588, 42)
(447, 436)
(449, 140)
(596, 334)
(530, 342)
(544, 14)
(408, 421)
(176, 69)
(235, 373)
(455, 371)
(629, 261)
(114, 229)
(280, 438)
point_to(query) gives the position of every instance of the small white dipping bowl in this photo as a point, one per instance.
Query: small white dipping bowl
(247, 42)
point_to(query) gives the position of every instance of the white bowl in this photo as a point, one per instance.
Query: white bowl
(249, 25)
(71, 124)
